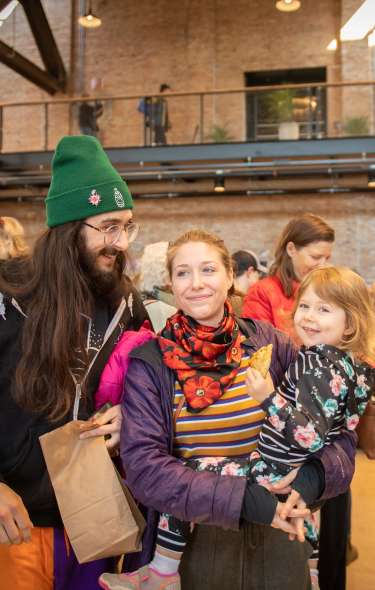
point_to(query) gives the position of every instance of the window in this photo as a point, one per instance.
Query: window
(304, 107)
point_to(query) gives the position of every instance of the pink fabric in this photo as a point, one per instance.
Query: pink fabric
(112, 379)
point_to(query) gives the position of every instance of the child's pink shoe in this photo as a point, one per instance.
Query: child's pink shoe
(155, 580)
(123, 581)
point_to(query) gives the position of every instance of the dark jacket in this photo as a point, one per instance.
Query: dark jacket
(160, 481)
(22, 465)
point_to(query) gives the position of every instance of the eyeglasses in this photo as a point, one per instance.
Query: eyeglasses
(112, 233)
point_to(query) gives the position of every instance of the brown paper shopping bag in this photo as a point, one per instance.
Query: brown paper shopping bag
(100, 516)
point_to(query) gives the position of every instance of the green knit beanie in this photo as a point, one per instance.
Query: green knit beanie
(84, 182)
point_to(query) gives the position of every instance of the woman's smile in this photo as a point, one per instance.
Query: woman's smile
(200, 282)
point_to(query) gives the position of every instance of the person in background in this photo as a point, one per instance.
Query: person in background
(62, 309)
(247, 270)
(154, 284)
(88, 115)
(185, 399)
(159, 119)
(12, 239)
(305, 243)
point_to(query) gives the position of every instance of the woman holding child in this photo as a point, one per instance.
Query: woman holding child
(186, 399)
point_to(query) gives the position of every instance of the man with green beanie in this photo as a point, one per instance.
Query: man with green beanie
(62, 310)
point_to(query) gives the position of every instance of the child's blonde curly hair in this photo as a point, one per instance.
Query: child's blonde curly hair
(346, 289)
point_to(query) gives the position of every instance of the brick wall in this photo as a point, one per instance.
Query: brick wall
(243, 222)
(23, 128)
(192, 45)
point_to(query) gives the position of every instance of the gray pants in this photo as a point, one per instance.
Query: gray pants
(255, 558)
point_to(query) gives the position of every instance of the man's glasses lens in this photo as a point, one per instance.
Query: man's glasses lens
(113, 234)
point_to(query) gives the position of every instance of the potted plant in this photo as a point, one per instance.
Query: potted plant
(219, 134)
(279, 107)
(357, 126)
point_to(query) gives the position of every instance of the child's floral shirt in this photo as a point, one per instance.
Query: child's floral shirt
(323, 391)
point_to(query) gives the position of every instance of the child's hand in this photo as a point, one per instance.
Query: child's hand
(283, 486)
(258, 387)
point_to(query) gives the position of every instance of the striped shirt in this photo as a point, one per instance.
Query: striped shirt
(228, 428)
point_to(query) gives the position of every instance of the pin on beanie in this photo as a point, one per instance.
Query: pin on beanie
(84, 182)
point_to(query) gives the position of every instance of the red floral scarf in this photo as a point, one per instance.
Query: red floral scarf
(205, 359)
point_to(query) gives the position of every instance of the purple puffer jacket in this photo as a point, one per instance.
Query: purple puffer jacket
(160, 481)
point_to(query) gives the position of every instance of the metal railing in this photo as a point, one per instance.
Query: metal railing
(313, 111)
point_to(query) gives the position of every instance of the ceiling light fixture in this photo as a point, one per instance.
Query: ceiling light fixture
(89, 20)
(288, 5)
(219, 186)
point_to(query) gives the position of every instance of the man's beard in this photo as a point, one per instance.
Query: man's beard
(102, 283)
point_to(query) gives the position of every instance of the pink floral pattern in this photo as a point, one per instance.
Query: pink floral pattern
(279, 401)
(307, 437)
(352, 422)
(210, 462)
(337, 385)
(94, 198)
(276, 422)
(230, 469)
(265, 480)
(163, 522)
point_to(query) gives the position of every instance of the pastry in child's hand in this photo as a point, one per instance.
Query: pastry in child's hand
(261, 360)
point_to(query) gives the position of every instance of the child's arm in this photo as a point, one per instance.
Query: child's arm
(319, 389)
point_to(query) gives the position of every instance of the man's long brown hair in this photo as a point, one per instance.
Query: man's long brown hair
(54, 294)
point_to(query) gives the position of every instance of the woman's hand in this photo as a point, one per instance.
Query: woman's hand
(298, 522)
(294, 502)
(108, 423)
(292, 527)
(15, 523)
(258, 387)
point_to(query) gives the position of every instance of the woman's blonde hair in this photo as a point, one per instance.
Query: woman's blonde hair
(302, 231)
(199, 235)
(12, 240)
(346, 289)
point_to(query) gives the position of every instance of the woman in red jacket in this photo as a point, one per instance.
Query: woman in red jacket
(305, 243)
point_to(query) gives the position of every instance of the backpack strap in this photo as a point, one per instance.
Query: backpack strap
(93, 375)
(247, 326)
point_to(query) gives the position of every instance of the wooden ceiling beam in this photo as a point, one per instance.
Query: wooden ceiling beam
(45, 40)
(27, 69)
